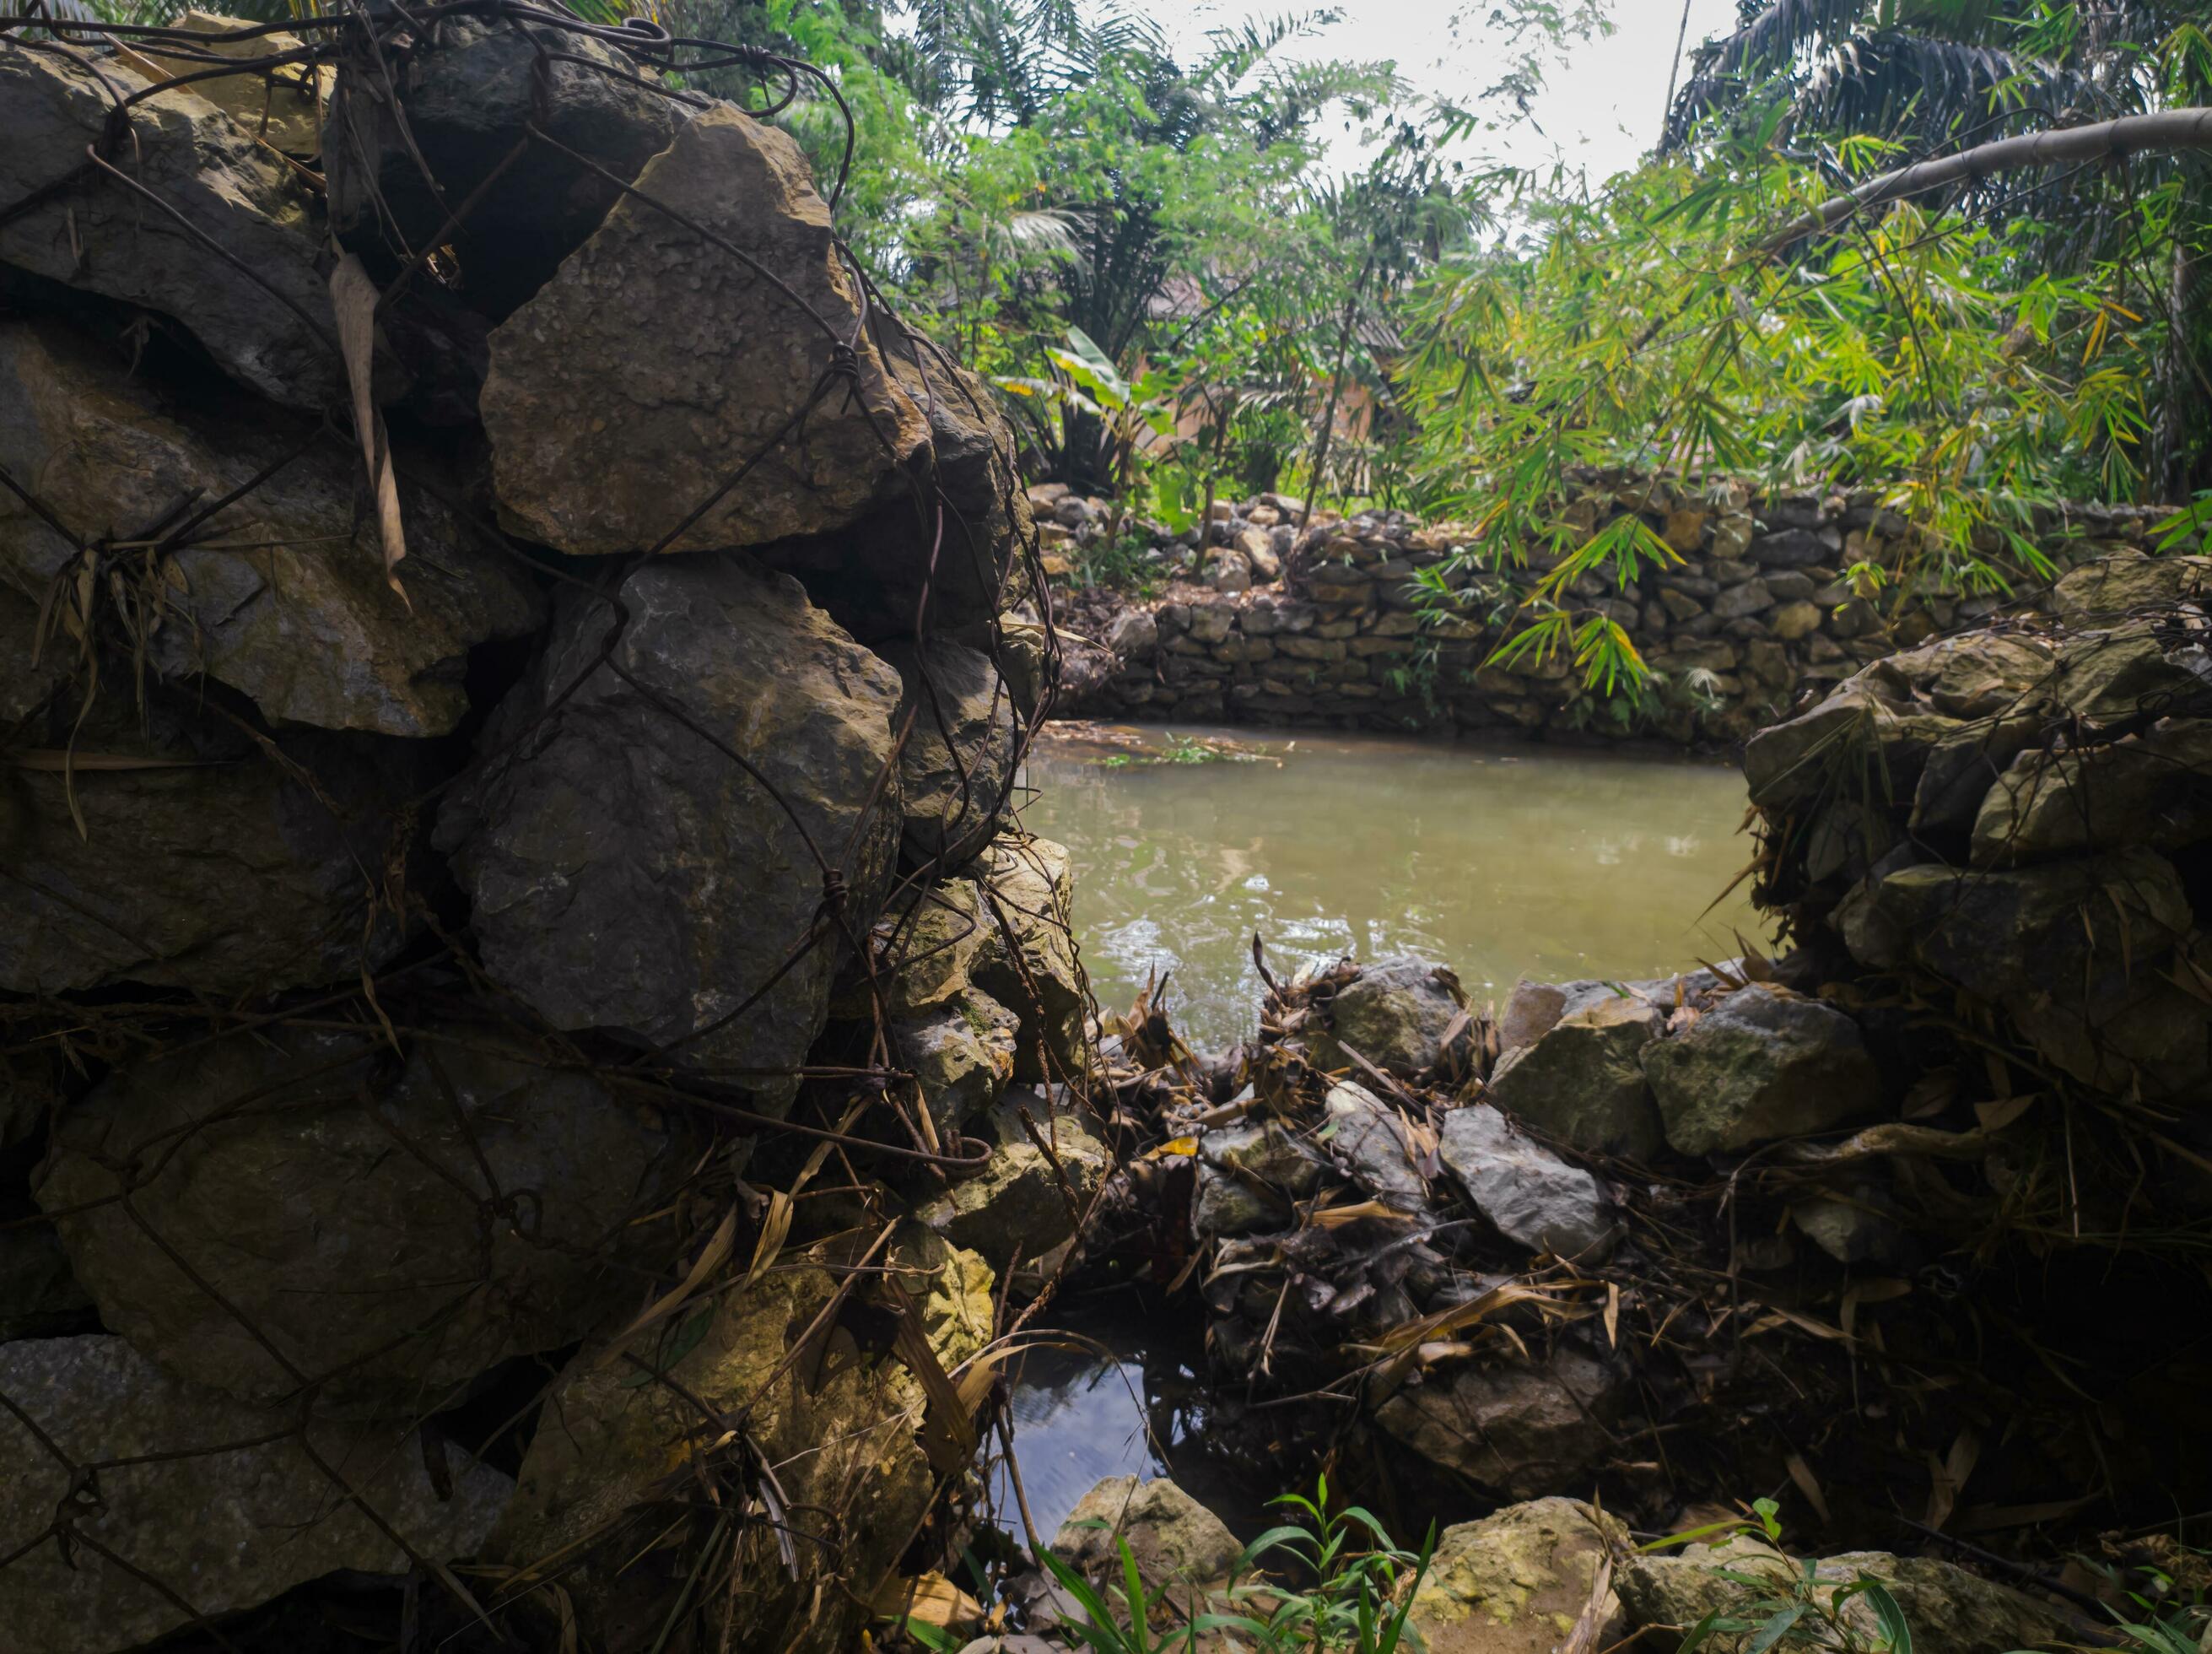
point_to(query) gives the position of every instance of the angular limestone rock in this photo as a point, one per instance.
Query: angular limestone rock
(1028, 961)
(961, 1054)
(2154, 788)
(466, 93)
(1518, 1581)
(1250, 1174)
(221, 1515)
(627, 873)
(1530, 1195)
(1978, 675)
(1018, 1200)
(283, 595)
(1368, 1139)
(1861, 738)
(1761, 1065)
(1397, 1013)
(205, 860)
(1518, 1429)
(927, 946)
(1582, 1081)
(2113, 588)
(2032, 930)
(284, 108)
(334, 1202)
(1175, 1539)
(606, 436)
(840, 1434)
(1946, 1606)
(2127, 674)
(99, 236)
(957, 764)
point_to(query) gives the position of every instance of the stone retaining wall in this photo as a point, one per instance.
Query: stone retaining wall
(1756, 614)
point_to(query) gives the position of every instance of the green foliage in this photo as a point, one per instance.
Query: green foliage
(1782, 1604)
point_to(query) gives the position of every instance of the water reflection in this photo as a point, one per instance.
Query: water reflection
(1502, 862)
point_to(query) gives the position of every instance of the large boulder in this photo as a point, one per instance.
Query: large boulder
(1019, 1200)
(282, 106)
(2154, 788)
(1028, 962)
(1947, 1608)
(484, 1208)
(1977, 675)
(607, 438)
(184, 1502)
(177, 851)
(1519, 1580)
(1397, 1014)
(2042, 930)
(2121, 587)
(2126, 675)
(464, 93)
(1527, 1193)
(644, 861)
(1582, 1081)
(1522, 1430)
(1173, 1539)
(835, 1424)
(264, 314)
(1762, 1064)
(1863, 739)
(280, 594)
(957, 765)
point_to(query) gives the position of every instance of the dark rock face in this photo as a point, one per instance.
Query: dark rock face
(467, 94)
(606, 437)
(333, 1198)
(958, 762)
(201, 1507)
(205, 860)
(286, 601)
(1582, 1081)
(99, 237)
(1759, 1065)
(1530, 1196)
(626, 872)
(1519, 1429)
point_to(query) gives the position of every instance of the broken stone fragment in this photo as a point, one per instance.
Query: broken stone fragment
(926, 947)
(837, 1425)
(1397, 1013)
(1529, 1195)
(2114, 589)
(1028, 961)
(961, 1054)
(2126, 674)
(1762, 1064)
(282, 106)
(1018, 1200)
(957, 764)
(1582, 1081)
(205, 859)
(1518, 1581)
(281, 595)
(1861, 737)
(228, 1269)
(608, 437)
(198, 1503)
(628, 872)
(1518, 1429)
(1368, 1139)
(99, 236)
(1174, 1539)
(2154, 788)
(1248, 1176)
(466, 93)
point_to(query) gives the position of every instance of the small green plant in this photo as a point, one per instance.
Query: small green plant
(1123, 562)
(1785, 1605)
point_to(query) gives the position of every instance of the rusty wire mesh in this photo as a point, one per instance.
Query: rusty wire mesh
(876, 1116)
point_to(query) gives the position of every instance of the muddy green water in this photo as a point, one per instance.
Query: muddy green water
(1501, 861)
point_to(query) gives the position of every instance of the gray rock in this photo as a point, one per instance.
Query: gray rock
(2115, 588)
(1858, 729)
(1518, 1429)
(1947, 1608)
(957, 764)
(1368, 1141)
(1979, 675)
(216, 867)
(466, 93)
(1749, 598)
(1530, 1196)
(232, 1273)
(179, 1501)
(2125, 674)
(1174, 1539)
(961, 1055)
(626, 874)
(2135, 1035)
(2154, 788)
(606, 437)
(1857, 1224)
(1761, 1065)
(1518, 1580)
(288, 602)
(100, 237)
(1961, 770)
(1135, 636)
(1791, 548)
(1018, 1200)
(1397, 1013)
(1248, 1176)
(2042, 930)
(926, 947)
(1027, 962)
(1582, 1081)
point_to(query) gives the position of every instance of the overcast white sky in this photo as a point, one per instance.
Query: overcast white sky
(1601, 109)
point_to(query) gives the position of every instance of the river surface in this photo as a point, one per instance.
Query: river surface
(1500, 862)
